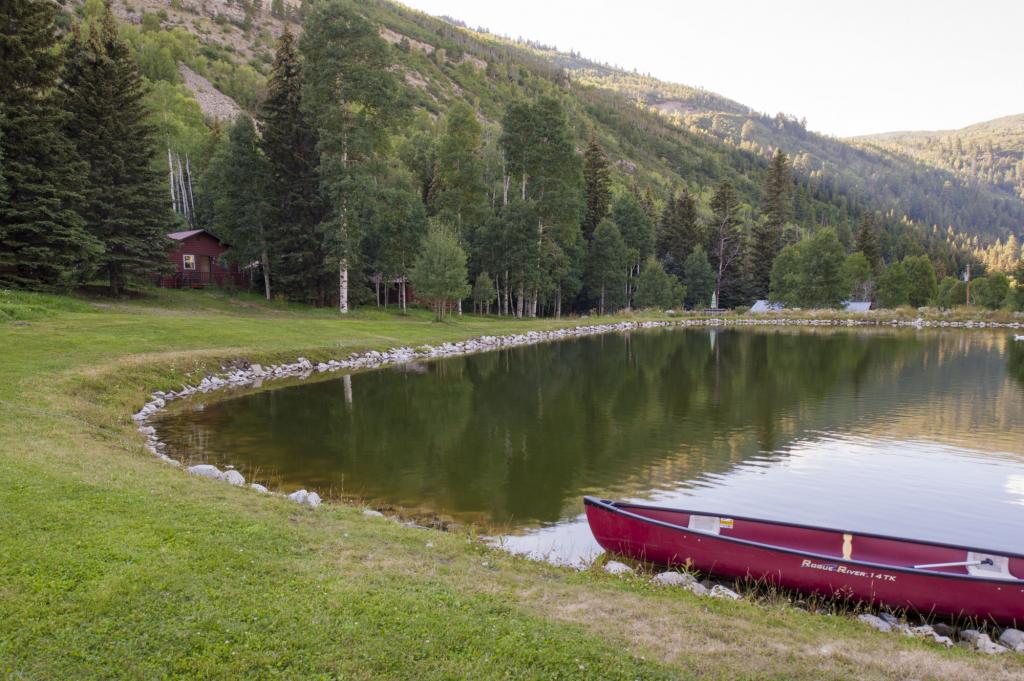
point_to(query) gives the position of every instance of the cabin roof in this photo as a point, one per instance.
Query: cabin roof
(188, 234)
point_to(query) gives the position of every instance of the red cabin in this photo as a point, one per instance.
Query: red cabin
(199, 261)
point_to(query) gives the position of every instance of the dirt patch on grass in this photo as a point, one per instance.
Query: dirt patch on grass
(706, 637)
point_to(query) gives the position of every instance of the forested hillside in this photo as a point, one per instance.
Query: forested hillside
(345, 149)
(973, 186)
(984, 153)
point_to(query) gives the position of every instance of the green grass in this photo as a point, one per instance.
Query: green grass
(113, 565)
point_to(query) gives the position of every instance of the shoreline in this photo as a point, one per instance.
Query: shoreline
(254, 374)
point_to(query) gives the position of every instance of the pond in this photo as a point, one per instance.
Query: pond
(914, 433)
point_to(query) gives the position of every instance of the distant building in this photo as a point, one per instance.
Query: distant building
(199, 260)
(765, 306)
(856, 306)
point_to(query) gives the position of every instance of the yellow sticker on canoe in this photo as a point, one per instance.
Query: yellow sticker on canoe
(725, 523)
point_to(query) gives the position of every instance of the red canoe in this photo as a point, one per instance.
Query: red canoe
(869, 568)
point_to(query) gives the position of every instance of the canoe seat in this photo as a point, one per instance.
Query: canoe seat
(988, 565)
(705, 523)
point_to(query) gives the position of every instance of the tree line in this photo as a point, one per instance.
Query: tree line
(81, 197)
(342, 190)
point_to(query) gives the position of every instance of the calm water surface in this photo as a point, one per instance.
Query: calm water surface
(899, 432)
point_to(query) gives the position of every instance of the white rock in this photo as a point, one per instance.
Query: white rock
(147, 430)
(299, 497)
(259, 488)
(234, 477)
(876, 622)
(370, 513)
(970, 635)
(983, 644)
(889, 618)
(719, 591)
(205, 470)
(698, 588)
(673, 579)
(1013, 639)
(614, 567)
(313, 499)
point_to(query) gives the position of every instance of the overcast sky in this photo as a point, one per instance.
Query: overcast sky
(851, 67)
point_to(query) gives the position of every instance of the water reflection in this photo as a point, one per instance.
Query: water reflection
(888, 427)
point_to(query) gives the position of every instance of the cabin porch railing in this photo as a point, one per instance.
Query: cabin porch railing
(200, 279)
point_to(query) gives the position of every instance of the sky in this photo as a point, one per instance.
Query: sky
(851, 67)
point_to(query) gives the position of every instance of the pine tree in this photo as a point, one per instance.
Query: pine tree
(767, 233)
(597, 186)
(867, 242)
(124, 203)
(289, 143)
(699, 278)
(679, 232)
(44, 243)
(655, 287)
(241, 206)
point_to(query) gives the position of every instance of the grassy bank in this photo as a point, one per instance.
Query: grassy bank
(115, 565)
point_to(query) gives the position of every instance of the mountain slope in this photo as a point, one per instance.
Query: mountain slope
(659, 135)
(892, 175)
(991, 152)
(440, 64)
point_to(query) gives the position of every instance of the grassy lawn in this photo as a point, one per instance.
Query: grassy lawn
(114, 565)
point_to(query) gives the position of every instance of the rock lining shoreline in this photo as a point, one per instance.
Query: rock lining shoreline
(254, 375)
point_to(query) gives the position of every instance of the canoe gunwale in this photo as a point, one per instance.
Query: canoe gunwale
(612, 507)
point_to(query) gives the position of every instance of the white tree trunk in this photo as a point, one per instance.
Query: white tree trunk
(265, 261)
(170, 179)
(343, 286)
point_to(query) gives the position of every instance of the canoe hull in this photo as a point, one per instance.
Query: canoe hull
(937, 593)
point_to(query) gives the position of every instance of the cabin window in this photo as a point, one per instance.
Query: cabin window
(189, 261)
